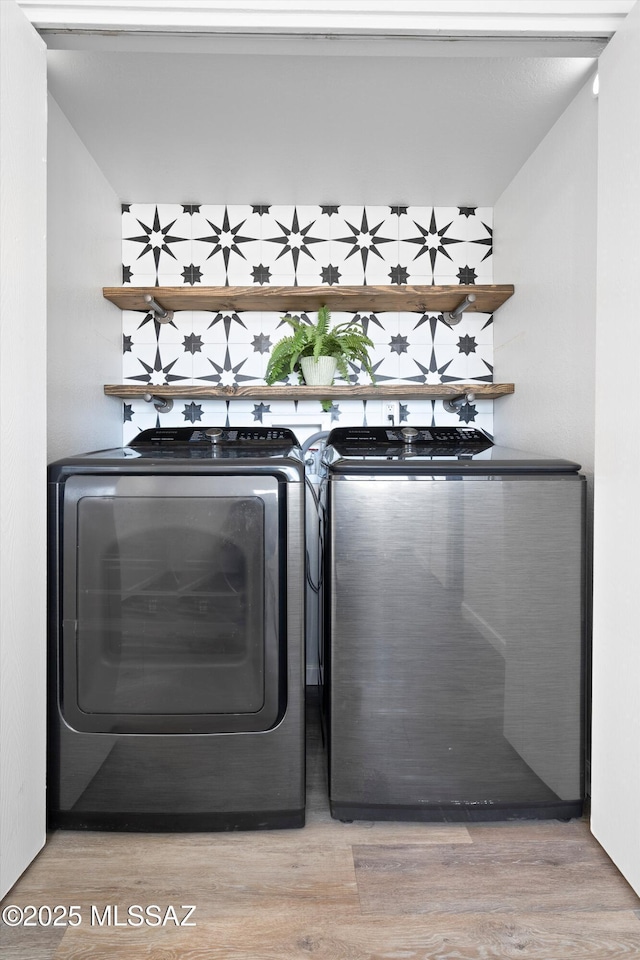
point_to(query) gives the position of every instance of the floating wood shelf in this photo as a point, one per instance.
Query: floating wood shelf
(405, 298)
(394, 391)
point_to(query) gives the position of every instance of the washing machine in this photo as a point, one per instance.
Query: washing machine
(454, 627)
(177, 633)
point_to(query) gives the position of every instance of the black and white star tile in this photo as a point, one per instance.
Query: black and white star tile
(241, 244)
(156, 242)
(139, 415)
(226, 244)
(251, 245)
(443, 245)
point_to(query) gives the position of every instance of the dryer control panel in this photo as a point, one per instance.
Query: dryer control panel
(190, 436)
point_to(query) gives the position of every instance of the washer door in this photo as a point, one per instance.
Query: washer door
(171, 619)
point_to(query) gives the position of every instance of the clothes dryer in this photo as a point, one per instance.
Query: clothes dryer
(177, 633)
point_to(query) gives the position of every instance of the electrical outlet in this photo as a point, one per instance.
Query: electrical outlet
(391, 413)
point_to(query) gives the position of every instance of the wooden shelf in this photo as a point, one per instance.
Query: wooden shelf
(394, 391)
(405, 298)
(375, 299)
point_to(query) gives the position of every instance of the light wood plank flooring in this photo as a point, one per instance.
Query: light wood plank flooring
(333, 891)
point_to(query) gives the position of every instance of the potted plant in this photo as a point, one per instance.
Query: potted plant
(317, 350)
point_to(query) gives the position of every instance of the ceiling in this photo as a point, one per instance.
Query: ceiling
(247, 128)
(318, 101)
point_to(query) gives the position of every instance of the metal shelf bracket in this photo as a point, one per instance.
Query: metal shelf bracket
(162, 404)
(455, 404)
(159, 313)
(456, 315)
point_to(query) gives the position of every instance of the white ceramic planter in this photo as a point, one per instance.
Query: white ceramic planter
(318, 372)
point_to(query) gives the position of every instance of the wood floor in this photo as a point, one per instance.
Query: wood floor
(333, 891)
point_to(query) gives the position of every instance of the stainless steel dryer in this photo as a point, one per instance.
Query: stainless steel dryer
(454, 624)
(177, 637)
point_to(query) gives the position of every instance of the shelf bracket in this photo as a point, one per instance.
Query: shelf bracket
(456, 315)
(162, 404)
(159, 313)
(455, 404)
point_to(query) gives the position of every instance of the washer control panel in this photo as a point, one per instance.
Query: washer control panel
(403, 442)
(435, 435)
(386, 435)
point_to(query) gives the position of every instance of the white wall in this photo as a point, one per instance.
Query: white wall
(544, 337)
(23, 528)
(84, 330)
(616, 642)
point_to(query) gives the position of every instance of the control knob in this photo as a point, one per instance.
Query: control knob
(409, 434)
(214, 434)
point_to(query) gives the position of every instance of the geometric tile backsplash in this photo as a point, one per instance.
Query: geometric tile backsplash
(246, 245)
